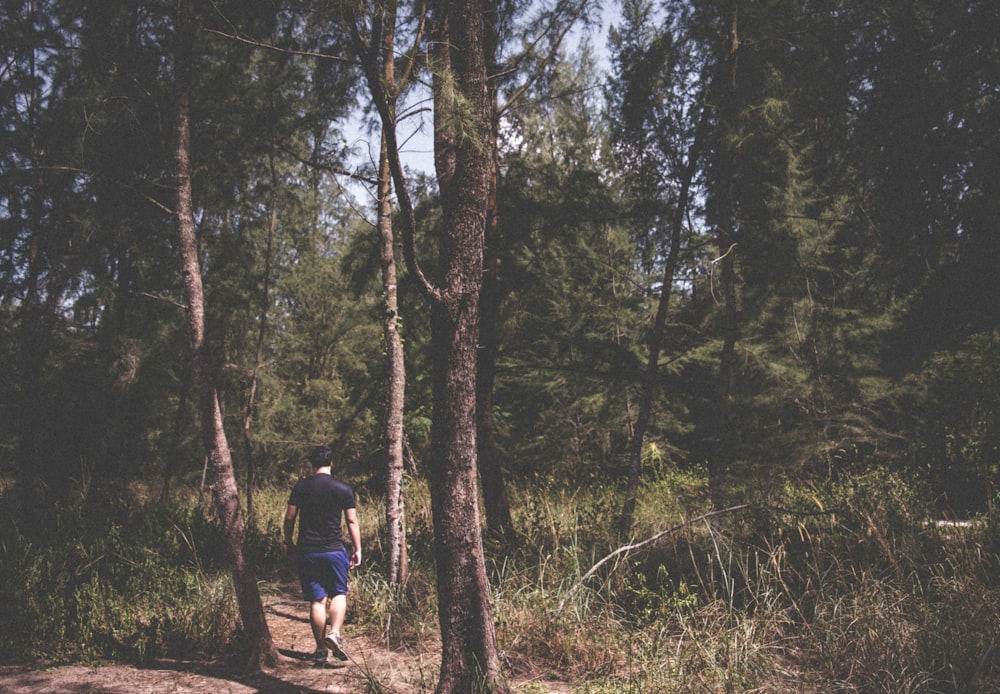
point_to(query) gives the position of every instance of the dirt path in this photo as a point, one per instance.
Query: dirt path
(396, 672)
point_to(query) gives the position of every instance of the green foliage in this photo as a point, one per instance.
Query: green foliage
(843, 587)
(851, 151)
(950, 413)
(861, 596)
(138, 583)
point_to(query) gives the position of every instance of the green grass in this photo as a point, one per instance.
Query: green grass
(863, 597)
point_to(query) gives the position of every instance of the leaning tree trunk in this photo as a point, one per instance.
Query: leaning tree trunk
(659, 327)
(225, 495)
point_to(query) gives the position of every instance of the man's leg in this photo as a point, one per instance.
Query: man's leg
(317, 620)
(333, 641)
(338, 610)
(339, 565)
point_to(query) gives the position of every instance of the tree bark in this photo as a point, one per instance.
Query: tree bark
(469, 657)
(377, 54)
(225, 495)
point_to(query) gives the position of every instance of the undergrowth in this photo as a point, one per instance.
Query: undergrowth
(841, 587)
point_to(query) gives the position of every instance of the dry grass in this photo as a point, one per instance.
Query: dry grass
(868, 599)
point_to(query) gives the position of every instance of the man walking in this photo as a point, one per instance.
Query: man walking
(319, 502)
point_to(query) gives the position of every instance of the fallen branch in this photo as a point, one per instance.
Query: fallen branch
(680, 526)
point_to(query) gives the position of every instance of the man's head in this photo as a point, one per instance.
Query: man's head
(320, 456)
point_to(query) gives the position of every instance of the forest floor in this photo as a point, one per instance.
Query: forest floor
(394, 671)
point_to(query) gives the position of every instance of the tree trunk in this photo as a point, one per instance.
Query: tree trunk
(499, 523)
(718, 460)
(377, 55)
(395, 383)
(469, 658)
(225, 495)
(719, 453)
(659, 327)
(251, 397)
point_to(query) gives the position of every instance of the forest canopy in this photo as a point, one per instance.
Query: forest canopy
(847, 170)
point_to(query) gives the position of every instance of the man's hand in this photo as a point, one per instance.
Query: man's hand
(355, 558)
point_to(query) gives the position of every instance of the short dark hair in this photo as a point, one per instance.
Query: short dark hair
(320, 456)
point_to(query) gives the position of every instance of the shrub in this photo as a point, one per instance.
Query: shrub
(126, 585)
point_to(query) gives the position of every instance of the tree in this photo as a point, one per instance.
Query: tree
(375, 46)
(541, 32)
(662, 123)
(395, 379)
(571, 299)
(462, 115)
(223, 481)
(462, 130)
(38, 270)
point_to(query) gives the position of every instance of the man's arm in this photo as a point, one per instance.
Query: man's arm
(351, 514)
(291, 513)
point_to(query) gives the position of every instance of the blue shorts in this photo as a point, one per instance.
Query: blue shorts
(323, 574)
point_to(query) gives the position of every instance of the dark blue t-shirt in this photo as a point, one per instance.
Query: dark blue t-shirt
(321, 501)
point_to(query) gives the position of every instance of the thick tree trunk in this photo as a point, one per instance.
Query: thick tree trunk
(395, 383)
(225, 495)
(469, 658)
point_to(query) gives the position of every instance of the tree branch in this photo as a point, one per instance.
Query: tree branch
(279, 49)
(548, 59)
(669, 531)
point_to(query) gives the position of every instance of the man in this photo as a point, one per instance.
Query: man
(319, 501)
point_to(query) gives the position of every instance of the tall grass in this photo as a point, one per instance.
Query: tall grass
(119, 579)
(840, 587)
(852, 591)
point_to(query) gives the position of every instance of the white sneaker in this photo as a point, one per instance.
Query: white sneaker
(335, 643)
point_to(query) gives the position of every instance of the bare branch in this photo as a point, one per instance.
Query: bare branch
(164, 299)
(279, 49)
(669, 531)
